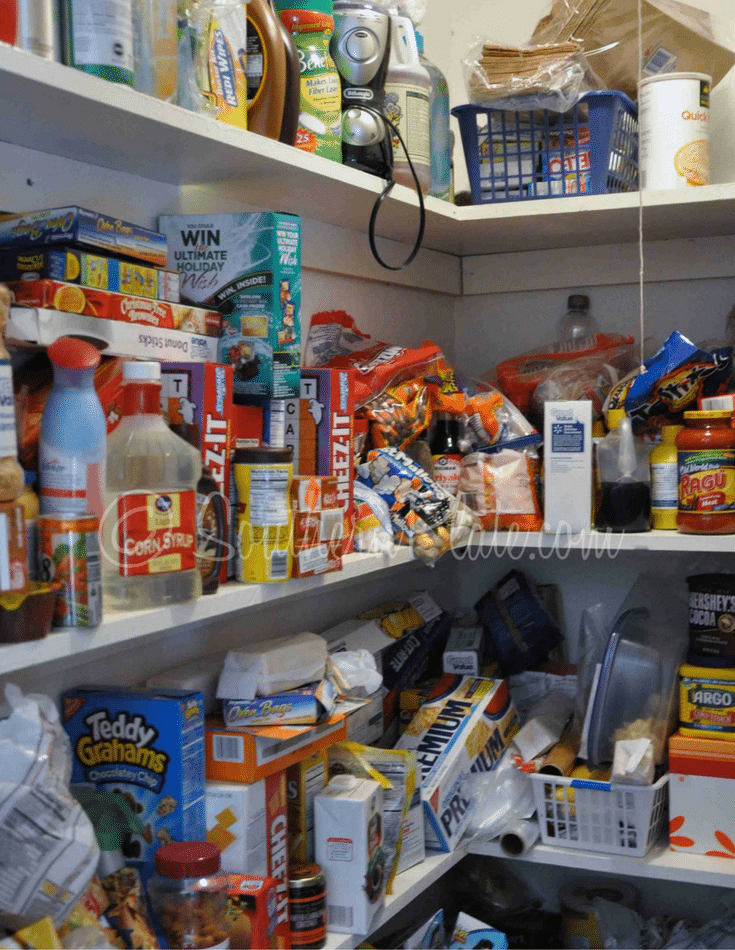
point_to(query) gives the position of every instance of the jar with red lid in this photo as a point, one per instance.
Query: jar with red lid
(706, 459)
(188, 895)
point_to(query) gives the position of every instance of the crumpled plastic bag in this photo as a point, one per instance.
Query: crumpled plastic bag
(42, 825)
(498, 799)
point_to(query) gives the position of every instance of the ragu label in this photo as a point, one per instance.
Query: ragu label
(156, 532)
(707, 481)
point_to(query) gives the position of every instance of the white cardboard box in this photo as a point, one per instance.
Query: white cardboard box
(463, 652)
(348, 823)
(568, 466)
(413, 848)
(464, 729)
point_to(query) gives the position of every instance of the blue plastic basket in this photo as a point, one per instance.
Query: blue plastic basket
(515, 156)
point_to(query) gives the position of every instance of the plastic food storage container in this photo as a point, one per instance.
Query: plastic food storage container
(188, 895)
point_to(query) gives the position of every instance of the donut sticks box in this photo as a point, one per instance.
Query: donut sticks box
(146, 745)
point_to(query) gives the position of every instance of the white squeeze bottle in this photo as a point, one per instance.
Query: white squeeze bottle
(407, 104)
(149, 528)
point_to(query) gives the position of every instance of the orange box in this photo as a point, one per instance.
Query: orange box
(312, 493)
(246, 755)
(251, 913)
(317, 559)
(13, 551)
(72, 298)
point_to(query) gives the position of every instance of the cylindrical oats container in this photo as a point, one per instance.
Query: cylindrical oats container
(673, 124)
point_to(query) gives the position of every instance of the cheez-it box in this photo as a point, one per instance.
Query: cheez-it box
(326, 435)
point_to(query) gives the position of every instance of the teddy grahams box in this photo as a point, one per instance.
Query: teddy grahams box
(463, 727)
(146, 745)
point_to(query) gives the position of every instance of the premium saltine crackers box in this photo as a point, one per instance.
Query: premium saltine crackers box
(463, 727)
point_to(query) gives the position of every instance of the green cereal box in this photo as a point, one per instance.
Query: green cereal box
(248, 267)
(146, 745)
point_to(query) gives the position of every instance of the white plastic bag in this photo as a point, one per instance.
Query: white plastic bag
(273, 667)
(498, 799)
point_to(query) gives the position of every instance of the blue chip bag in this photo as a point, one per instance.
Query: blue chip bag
(520, 628)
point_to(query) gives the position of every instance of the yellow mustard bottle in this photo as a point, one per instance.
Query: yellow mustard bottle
(665, 480)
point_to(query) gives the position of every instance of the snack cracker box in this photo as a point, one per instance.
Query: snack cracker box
(246, 756)
(247, 266)
(326, 436)
(73, 298)
(304, 781)
(249, 824)
(701, 795)
(85, 228)
(91, 270)
(318, 527)
(252, 913)
(313, 493)
(463, 727)
(317, 559)
(348, 837)
(146, 745)
(202, 393)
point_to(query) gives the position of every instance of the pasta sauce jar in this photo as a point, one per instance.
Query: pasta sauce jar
(706, 459)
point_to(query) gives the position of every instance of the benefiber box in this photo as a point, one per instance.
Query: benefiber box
(568, 466)
(202, 393)
(249, 825)
(146, 745)
(247, 266)
(326, 437)
(463, 727)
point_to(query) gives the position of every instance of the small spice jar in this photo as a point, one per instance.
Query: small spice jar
(706, 458)
(188, 895)
(307, 907)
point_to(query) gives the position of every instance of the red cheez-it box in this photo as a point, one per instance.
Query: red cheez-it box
(73, 298)
(326, 435)
(277, 846)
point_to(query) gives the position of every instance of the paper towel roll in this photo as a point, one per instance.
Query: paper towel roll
(521, 836)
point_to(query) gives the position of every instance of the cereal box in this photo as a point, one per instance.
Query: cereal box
(304, 781)
(85, 228)
(326, 438)
(91, 270)
(146, 745)
(348, 837)
(252, 913)
(73, 298)
(247, 266)
(249, 825)
(463, 727)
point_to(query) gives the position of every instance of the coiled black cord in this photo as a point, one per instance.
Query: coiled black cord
(384, 194)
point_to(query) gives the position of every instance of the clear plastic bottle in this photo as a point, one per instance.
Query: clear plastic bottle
(441, 167)
(155, 46)
(577, 329)
(149, 529)
(625, 478)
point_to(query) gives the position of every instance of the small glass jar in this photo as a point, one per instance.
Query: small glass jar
(706, 459)
(188, 895)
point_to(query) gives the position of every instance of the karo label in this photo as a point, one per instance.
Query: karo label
(156, 532)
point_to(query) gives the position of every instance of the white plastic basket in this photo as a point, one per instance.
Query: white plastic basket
(598, 816)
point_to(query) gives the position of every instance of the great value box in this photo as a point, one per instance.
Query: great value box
(201, 393)
(249, 824)
(247, 266)
(146, 745)
(463, 727)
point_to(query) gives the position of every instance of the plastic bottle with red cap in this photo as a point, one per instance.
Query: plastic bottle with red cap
(188, 895)
(73, 439)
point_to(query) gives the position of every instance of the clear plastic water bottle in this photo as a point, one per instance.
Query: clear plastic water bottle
(577, 330)
(441, 171)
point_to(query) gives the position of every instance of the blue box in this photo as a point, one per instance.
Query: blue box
(147, 745)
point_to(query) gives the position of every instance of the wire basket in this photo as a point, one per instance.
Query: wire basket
(598, 816)
(515, 156)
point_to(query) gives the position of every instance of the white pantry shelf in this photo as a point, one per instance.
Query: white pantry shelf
(54, 109)
(660, 863)
(127, 626)
(592, 545)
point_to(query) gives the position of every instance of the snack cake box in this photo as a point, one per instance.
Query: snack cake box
(146, 745)
(86, 228)
(247, 266)
(202, 393)
(463, 727)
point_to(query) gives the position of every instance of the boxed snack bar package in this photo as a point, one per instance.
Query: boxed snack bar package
(249, 824)
(247, 266)
(148, 746)
(91, 270)
(348, 834)
(463, 727)
(318, 527)
(326, 438)
(72, 298)
(304, 781)
(85, 228)
(252, 916)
